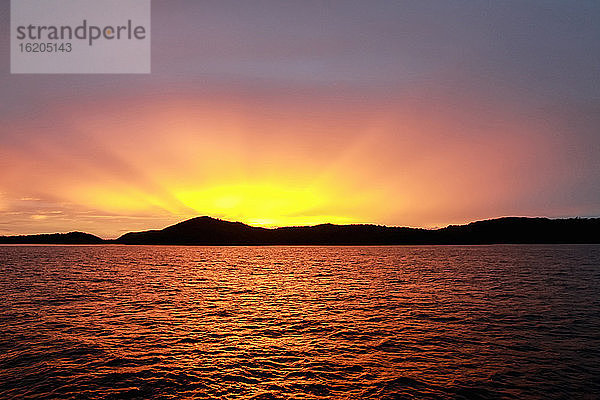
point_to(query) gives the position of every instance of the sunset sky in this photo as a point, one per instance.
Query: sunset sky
(276, 113)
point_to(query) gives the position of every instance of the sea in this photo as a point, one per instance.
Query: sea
(393, 322)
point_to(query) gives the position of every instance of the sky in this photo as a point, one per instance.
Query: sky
(278, 113)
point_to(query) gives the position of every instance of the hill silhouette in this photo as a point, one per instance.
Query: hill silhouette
(53, 238)
(210, 231)
(199, 230)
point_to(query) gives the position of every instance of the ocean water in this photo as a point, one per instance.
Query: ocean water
(448, 322)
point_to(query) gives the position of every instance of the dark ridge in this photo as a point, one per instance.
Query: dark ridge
(199, 230)
(211, 231)
(53, 238)
(509, 230)
(523, 230)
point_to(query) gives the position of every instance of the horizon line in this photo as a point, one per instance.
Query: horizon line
(324, 223)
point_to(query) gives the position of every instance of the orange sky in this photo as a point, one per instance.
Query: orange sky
(139, 163)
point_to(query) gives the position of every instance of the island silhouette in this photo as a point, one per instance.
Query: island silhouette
(209, 231)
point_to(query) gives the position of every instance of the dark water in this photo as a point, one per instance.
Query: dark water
(300, 322)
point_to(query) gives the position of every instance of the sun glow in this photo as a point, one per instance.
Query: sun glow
(262, 204)
(267, 165)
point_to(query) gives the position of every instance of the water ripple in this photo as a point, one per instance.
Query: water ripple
(453, 322)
